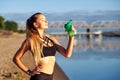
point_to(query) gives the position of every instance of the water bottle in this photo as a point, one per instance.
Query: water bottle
(68, 28)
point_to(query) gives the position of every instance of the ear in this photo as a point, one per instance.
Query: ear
(35, 24)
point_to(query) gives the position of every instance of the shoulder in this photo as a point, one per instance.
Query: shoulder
(54, 39)
(26, 42)
(51, 37)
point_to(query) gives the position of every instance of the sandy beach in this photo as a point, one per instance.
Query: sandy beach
(9, 44)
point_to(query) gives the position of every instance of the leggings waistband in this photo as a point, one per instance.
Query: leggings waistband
(42, 76)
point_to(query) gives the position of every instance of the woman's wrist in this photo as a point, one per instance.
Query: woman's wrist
(28, 71)
(71, 36)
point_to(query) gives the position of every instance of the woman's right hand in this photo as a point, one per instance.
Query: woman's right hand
(36, 70)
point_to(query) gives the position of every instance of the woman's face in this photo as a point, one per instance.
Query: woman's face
(41, 22)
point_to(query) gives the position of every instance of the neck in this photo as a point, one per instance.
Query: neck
(41, 33)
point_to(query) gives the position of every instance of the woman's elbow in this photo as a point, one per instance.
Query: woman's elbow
(15, 59)
(67, 56)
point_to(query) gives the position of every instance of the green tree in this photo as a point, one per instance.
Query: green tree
(21, 31)
(2, 25)
(11, 26)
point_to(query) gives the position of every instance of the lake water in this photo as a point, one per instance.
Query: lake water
(93, 59)
(82, 29)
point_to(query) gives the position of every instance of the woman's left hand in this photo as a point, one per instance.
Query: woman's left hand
(73, 28)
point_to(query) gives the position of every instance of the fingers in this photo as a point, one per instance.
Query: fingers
(36, 70)
(73, 28)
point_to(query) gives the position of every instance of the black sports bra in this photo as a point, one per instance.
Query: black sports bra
(49, 50)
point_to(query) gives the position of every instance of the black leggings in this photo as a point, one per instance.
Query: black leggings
(42, 76)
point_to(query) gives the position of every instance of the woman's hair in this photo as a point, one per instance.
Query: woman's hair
(29, 24)
(32, 34)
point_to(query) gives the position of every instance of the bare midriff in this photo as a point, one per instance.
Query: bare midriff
(47, 64)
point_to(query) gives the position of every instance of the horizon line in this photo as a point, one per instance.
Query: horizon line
(57, 12)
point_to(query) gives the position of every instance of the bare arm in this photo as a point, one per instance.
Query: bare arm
(66, 52)
(17, 58)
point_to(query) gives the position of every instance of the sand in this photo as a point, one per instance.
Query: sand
(9, 44)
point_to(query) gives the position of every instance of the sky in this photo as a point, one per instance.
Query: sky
(50, 6)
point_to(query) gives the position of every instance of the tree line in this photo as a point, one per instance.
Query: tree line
(9, 25)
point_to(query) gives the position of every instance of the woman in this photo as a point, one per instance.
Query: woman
(42, 47)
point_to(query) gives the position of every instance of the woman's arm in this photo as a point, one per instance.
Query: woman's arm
(66, 52)
(17, 58)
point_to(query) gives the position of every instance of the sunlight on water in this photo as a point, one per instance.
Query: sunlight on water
(92, 59)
